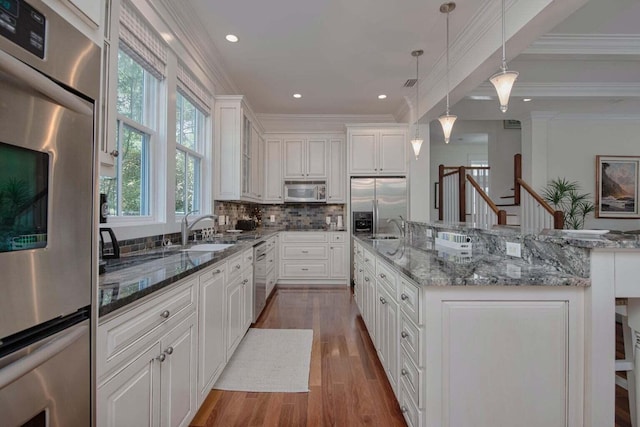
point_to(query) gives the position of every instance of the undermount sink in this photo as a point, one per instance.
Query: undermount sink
(209, 247)
(384, 237)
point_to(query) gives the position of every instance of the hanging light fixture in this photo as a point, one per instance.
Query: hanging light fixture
(447, 120)
(416, 142)
(503, 80)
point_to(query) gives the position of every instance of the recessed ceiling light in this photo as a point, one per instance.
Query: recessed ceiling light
(526, 99)
(231, 38)
(297, 95)
(383, 96)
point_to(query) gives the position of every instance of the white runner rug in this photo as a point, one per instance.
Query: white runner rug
(270, 360)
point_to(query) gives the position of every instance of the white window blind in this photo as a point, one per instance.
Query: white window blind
(140, 41)
(192, 89)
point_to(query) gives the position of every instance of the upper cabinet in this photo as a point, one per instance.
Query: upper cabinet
(273, 171)
(238, 151)
(305, 157)
(377, 150)
(337, 182)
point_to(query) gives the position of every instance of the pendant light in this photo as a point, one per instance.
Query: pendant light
(503, 80)
(416, 142)
(447, 120)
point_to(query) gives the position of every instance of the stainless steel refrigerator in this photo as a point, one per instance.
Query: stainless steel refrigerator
(383, 198)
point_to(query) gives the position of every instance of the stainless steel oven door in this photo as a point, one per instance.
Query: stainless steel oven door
(48, 382)
(40, 115)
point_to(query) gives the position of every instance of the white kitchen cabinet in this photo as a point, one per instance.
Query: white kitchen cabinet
(239, 299)
(387, 334)
(89, 9)
(337, 181)
(306, 257)
(273, 171)
(272, 264)
(211, 351)
(236, 150)
(305, 157)
(369, 302)
(157, 388)
(377, 150)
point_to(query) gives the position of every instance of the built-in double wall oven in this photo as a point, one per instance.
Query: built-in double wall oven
(49, 81)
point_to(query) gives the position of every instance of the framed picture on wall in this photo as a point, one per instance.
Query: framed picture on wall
(617, 186)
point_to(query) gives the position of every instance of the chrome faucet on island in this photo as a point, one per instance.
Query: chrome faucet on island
(185, 227)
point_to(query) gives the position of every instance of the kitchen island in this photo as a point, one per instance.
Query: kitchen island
(485, 339)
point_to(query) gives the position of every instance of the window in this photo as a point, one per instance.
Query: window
(190, 143)
(129, 190)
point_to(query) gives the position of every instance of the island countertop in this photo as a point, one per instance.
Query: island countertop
(446, 267)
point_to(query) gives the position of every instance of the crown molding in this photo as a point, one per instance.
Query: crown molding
(565, 90)
(188, 28)
(585, 44)
(286, 123)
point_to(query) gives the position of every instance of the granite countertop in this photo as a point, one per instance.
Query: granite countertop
(447, 267)
(131, 278)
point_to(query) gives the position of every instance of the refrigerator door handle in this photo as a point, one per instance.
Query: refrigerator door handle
(375, 216)
(30, 362)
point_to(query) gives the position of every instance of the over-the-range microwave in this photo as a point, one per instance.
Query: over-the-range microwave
(305, 191)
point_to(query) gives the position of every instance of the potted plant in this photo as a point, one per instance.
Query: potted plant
(564, 196)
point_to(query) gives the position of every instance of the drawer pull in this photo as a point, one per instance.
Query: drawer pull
(305, 269)
(366, 260)
(238, 266)
(305, 252)
(360, 270)
(218, 271)
(169, 350)
(404, 409)
(404, 372)
(161, 358)
(366, 279)
(250, 258)
(404, 297)
(165, 314)
(245, 281)
(382, 300)
(382, 275)
(403, 334)
(270, 260)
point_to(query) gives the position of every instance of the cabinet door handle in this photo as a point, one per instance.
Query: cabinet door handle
(331, 247)
(404, 372)
(382, 300)
(382, 275)
(404, 297)
(169, 350)
(366, 260)
(238, 266)
(360, 270)
(245, 281)
(250, 258)
(403, 334)
(165, 314)
(114, 153)
(366, 279)
(161, 358)
(404, 409)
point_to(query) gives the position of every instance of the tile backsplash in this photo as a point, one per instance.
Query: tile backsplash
(287, 215)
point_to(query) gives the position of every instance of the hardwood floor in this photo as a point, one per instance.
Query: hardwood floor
(348, 386)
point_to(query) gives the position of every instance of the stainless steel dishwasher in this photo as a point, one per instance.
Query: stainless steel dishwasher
(259, 279)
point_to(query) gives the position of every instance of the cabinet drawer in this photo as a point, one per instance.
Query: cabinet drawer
(309, 269)
(369, 259)
(120, 338)
(388, 278)
(213, 272)
(271, 243)
(412, 378)
(411, 340)
(410, 302)
(412, 415)
(234, 267)
(247, 258)
(304, 237)
(305, 252)
(338, 237)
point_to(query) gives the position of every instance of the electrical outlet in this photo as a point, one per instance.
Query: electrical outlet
(429, 233)
(514, 249)
(272, 218)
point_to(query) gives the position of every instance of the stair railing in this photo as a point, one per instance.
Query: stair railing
(484, 212)
(535, 213)
(450, 201)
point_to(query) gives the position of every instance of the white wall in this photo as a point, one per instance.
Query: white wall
(503, 145)
(572, 146)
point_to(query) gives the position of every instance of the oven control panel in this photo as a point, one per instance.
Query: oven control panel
(23, 25)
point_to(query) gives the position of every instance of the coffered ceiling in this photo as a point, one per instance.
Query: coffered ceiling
(341, 54)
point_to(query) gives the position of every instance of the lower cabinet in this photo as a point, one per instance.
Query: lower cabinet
(158, 388)
(314, 257)
(211, 355)
(239, 309)
(387, 335)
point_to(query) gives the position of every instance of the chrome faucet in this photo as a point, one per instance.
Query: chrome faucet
(399, 224)
(185, 227)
